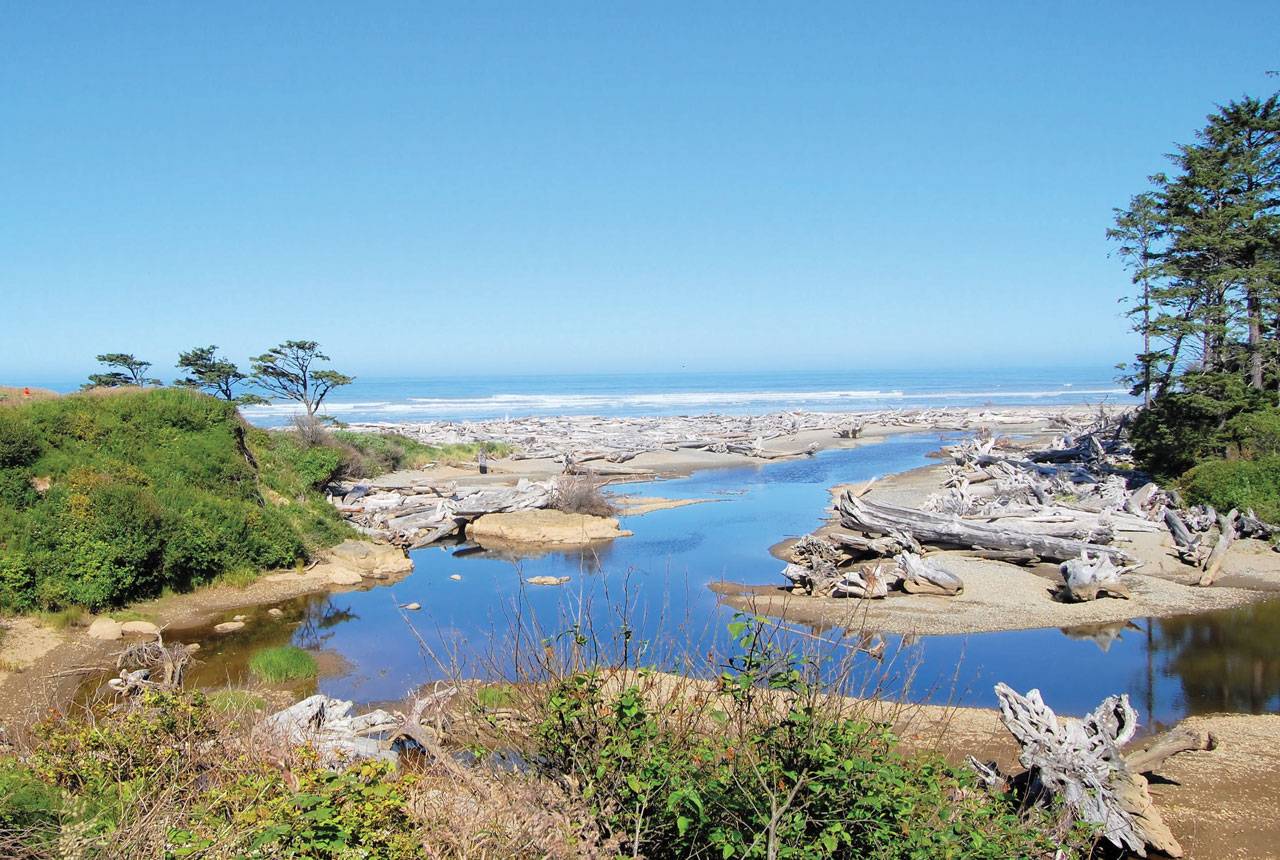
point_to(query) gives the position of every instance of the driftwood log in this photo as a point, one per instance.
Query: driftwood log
(1080, 765)
(922, 527)
(924, 576)
(1226, 536)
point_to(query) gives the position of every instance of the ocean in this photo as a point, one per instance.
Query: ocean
(469, 398)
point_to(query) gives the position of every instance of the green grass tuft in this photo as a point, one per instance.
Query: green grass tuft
(286, 663)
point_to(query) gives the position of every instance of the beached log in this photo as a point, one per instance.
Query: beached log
(324, 723)
(814, 565)
(1085, 577)
(1149, 755)
(849, 430)
(1139, 499)
(935, 529)
(1016, 556)
(923, 576)
(880, 547)
(1250, 526)
(1226, 536)
(1188, 545)
(1079, 765)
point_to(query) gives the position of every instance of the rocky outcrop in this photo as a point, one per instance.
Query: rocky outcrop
(543, 527)
(105, 629)
(353, 561)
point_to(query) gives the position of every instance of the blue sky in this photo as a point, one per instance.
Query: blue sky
(443, 188)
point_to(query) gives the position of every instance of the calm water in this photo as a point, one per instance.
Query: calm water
(1223, 661)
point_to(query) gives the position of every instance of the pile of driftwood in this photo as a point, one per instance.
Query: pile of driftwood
(1081, 768)
(416, 515)
(151, 665)
(579, 439)
(1069, 503)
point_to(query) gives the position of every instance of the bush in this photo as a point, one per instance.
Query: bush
(581, 494)
(285, 663)
(766, 768)
(19, 442)
(30, 810)
(1181, 428)
(149, 489)
(371, 454)
(1254, 434)
(1242, 484)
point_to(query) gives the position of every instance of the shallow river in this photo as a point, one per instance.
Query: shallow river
(657, 581)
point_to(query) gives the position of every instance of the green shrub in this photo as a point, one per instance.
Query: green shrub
(30, 809)
(372, 454)
(150, 489)
(1178, 430)
(19, 441)
(1242, 484)
(1255, 434)
(774, 773)
(285, 663)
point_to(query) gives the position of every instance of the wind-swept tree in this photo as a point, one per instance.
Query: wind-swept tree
(217, 375)
(1140, 232)
(131, 370)
(286, 371)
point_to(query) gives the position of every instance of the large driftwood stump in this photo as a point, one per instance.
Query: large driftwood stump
(1085, 578)
(1080, 764)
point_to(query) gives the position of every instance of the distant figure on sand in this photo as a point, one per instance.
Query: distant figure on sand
(482, 462)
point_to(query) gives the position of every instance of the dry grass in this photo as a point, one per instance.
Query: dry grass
(582, 494)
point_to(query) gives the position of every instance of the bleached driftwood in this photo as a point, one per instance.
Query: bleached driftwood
(1226, 536)
(1187, 544)
(923, 576)
(924, 527)
(872, 581)
(325, 724)
(1079, 764)
(1084, 578)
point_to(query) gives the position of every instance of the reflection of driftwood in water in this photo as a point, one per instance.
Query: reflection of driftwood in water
(922, 527)
(1102, 635)
(1079, 765)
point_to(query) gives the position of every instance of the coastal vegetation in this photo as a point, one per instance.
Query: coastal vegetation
(761, 762)
(1203, 246)
(283, 663)
(107, 499)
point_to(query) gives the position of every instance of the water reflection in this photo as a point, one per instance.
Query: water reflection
(649, 594)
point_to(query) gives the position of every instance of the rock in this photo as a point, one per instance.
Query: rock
(547, 580)
(377, 560)
(456, 577)
(139, 628)
(240, 618)
(228, 627)
(543, 526)
(275, 612)
(339, 575)
(193, 647)
(105, 629)
(413, 607)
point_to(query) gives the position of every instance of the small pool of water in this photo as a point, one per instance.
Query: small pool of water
(653, 588)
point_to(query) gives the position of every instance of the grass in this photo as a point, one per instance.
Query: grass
(63, 619)
(235, 701)
(371, 454)
(492, 698)
(285, 663)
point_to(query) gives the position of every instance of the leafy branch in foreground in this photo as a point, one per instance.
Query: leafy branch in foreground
(287, 371)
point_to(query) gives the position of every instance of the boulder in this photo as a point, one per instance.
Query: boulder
(228, 627)
(376, 560)
(105, 629)
(543, 526)
(139, 628)
(547, 580)
(341, 575)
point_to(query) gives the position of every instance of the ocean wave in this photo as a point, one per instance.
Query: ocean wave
(495, 404)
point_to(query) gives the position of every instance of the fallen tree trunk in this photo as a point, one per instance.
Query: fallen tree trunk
(921, 576)
(940, 530)
(1188, 545)
(1226, 536)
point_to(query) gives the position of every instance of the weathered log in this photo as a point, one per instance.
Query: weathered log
(923, 576)
(939, 530)
(1016, 556)
(1226, 536)
(1083, 578)
(1188, 545)
(880, 547)
(1078, 764)
(1148, 756)
(324, 723)
(869, 582)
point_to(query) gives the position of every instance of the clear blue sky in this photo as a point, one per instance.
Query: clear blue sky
(430, 188)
